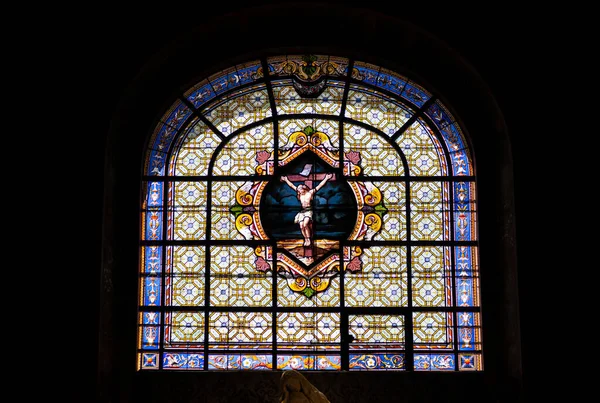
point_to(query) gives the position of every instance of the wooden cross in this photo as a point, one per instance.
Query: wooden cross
(308, 178)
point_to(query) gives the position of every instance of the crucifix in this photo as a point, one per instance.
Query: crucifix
(305, 194)
(308, 178)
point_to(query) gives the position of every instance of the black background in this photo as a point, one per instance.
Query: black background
(93, 56)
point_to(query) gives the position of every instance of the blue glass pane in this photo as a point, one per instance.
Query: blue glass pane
(178, 116)
(362, 362)
(149, 361)
(453, 136)
(201, 95)
(183, 361)
(469, 331)
(464, 211)
(240, 362)
(309, 362)
(391, 83)
(465, 319)
(153, 225)
(466, 276)
(415, 94)
(155, 194)
(460, 163)
(156, 163)
(248, 73)
(434, 362)
(151, 318)
(152, 290)
(466, 334)
(153, 260)
(470, 362)
(150, 337)
(163, 138)
(221, 83)
(440, 117)
(365, 74)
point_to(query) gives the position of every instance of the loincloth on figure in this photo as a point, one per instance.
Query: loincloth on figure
(307, 212)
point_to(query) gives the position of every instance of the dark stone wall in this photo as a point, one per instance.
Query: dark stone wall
(338, 387)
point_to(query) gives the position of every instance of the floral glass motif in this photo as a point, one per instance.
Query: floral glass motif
(278, 204)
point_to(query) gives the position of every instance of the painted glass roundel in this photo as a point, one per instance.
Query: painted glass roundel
(309, 212)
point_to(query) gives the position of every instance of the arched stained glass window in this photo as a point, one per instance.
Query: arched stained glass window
(320, 216)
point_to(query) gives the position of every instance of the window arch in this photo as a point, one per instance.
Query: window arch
(373, 266)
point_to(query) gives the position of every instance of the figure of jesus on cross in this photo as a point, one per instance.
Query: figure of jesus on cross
(305, 194)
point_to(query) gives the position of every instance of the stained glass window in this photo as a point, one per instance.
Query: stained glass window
(309, 212)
